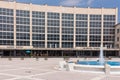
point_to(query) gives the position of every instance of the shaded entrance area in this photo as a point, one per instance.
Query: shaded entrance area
(7, 52)
(56, 53)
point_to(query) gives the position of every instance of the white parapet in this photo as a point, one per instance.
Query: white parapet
(107, 69)
(71, 66)
(62, 65)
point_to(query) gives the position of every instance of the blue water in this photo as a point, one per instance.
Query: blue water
(111, 63)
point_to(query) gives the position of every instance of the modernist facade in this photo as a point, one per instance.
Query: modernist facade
(56, 30)
(117, 35)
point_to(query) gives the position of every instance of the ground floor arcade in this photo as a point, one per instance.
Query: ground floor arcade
(58, 53)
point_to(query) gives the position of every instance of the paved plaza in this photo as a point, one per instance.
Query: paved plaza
(32, 69)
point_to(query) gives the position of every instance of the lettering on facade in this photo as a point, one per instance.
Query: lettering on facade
(91, 48)
(10, 46)
(19, 47)
(97, 48)
(87, 48)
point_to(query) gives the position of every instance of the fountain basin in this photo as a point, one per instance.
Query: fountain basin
(110, 67)
(111, 63)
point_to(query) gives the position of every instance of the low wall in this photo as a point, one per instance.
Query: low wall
(89, 68)
(77, 67)
(115, 69)
(107, 69)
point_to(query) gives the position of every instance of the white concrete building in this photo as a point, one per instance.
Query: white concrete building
(56, 30)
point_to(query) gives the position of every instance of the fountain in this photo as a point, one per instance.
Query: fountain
(92, 66)
(101, 57)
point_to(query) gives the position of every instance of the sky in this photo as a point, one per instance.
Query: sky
(79, 3)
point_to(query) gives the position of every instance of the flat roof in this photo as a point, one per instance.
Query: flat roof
(59, 5)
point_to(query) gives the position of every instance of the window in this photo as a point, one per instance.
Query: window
(95, 44)
(109, 17)
(38, 29)
(38, 36)
(5, 11)
(81, 24)
(109, 24)
(38, 44)
(36, 14)
(95, 31)
(51, 15)
(6, 42)
(117, 38)
(81, 17)
(67, 44)
(37, 21)
(53, 30)
(23, 43)
(118, 30)
(52, 37)
(108, 38)
(22, 13)
(81, 37)
(95, 37)
(23, 36)
(95, 24)
(109, 31)
(6, 35)
(67, 37)
(53, 23)
(67, 16)
(67, 30)
(22, 28)
(95, 17)
(81, 44)
(53, 44)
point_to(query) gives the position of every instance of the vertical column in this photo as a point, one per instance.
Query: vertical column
(60, 33)
(102, 20)
(88, 34)
(116, 34)
(116, 15)
(45, 29)
(30, 24)
(14, 24)
(74, 40)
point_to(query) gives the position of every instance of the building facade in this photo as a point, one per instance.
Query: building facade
(117, 37)
(56, 30)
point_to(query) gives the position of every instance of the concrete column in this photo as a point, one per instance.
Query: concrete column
(88, 35)
(30, 25)
(102, 28)
(60, 33)
(46, 29)
(74, 40)
(116, 16)
(14, 24)
(117, 34)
